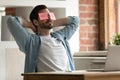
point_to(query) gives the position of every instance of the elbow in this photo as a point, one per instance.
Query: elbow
(73, 20)
(76, 19)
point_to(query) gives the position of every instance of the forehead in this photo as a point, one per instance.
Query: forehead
(44, 11)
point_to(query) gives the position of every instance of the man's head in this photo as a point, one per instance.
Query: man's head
(41, 17)
(35, 11)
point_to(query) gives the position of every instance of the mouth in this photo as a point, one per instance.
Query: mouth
(51, 25)
(47, 25)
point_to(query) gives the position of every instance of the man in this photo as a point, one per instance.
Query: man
(45, 50)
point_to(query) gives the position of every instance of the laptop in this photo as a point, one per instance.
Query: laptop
(112, 62)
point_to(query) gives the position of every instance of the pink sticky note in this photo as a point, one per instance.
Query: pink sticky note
(43, 16)
(52, 16)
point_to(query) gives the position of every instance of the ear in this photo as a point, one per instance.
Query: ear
(36, 22)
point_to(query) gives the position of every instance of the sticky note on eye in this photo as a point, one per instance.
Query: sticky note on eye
(43, 16)
(52, 16)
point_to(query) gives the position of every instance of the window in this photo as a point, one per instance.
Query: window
(108, 21)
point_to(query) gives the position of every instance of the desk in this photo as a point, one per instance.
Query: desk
(75, 75)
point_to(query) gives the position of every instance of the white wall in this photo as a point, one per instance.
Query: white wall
(14, 64)
(73, 10)
(8, 52)
(2, 13)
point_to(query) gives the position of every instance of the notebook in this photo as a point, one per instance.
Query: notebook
(112, 62)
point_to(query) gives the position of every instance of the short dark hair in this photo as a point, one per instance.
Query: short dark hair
(34, 12)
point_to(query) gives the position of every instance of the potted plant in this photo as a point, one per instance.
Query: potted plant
(115, 46)
(116, 39)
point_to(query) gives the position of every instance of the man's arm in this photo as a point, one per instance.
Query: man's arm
(27, 24)
(71, 23)
(20, 35)
(60, 22)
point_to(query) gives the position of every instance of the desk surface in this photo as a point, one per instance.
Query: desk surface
(81, 72)
(75, 75)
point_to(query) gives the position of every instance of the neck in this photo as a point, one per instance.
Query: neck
(44, 32)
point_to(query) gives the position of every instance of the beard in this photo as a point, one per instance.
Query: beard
(47, 25)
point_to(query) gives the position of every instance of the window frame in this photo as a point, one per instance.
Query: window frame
(106, 22)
